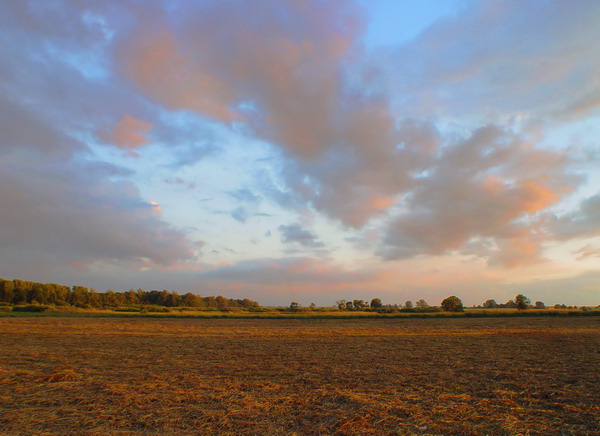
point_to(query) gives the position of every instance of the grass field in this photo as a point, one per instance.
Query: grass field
(315, 376)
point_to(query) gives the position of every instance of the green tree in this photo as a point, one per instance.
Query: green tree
(422, 304)
(359, 304)
(539, 305)
(79, 296)
(191, 300)
(294, 306)
(19, 291)
(163, 299)
(408, 304)
(6, 291)
(173, 299)
(131, 297)
(490, 304)
(522, 302)
(221, 303)
(38, 294)
(452, 304)
(109, 298)
(94, 298)
(248, 304)
(210, 301)
(376, 303)
(62, 294)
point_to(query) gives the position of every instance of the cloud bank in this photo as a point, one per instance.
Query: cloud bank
(448, 144)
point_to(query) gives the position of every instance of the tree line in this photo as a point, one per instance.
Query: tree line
(376, 305)
(21, 292)
(449, 304)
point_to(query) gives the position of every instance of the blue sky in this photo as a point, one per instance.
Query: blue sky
(303, 150)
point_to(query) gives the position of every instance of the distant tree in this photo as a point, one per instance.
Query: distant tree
(341, 304)
(294, 306)
(452, 304)
(376, 303)
(141, 296)
(19, 291)
(522, 302)
(221, 303)
(130, 297)
(408, 304)
(38, 294)
(173, 299)
(109, 298)
(79, 296)
(94, 299)
(153, 297)
(312, 306)
(490, 304)
(539, 305)
(422, 304)
(247, 303)
(6, 291)
(163, 299)
(191, 300)
(359, 304)
(119, 299)
(349, 305)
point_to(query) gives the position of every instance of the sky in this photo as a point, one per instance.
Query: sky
(303, 150)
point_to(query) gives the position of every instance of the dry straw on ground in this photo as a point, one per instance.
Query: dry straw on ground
(95, 376)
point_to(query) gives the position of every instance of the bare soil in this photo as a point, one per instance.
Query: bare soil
(99, 376)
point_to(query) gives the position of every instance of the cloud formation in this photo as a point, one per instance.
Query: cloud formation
(298, 234)
(582, 222)
(281, 79)
(354, 153)
(449, 144)
(479, 188)
(57, 217)
(61, 205)
(128, 134)
(502, 58)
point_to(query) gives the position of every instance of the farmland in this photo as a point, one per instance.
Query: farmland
(535, 375)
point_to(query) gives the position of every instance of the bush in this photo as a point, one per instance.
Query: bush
(127, 309)
(428, 309)
(5, 308)
(31, 308)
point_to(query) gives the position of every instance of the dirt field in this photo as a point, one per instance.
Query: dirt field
(396, 376)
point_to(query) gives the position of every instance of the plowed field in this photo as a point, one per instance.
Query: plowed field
(99, 376)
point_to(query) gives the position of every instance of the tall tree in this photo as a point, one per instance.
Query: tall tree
(221, 302)
(422, 304)
(522, 302)
(452, 304)
(376, 303)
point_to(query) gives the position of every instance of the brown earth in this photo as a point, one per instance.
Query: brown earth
(99, 376)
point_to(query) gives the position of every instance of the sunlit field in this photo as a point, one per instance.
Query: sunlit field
(313, 376)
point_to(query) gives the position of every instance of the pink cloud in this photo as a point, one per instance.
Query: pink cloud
(128, 134)
(220, 58)
(587, 251)
(157, 65)
(478, 192)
